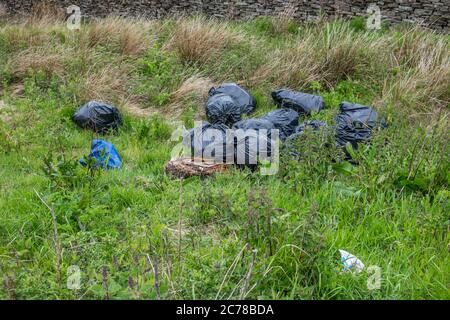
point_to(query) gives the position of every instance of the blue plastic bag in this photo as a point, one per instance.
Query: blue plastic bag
(105, 154)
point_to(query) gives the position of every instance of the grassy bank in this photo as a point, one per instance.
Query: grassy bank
(236, 235)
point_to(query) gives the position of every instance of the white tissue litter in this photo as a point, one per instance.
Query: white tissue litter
(351, 262)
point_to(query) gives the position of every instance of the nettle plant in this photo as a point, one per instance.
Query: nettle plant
(66, 173)
(311, 155)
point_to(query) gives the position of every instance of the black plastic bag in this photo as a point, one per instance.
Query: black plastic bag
(284, 120)
(254, 124)
(355, 124)
(222, 109)
(314, 124)
(98, 116)
(220, 144)
(290, 143)
(211, 142)
(303, 103)
(252, 147)
(242, 98)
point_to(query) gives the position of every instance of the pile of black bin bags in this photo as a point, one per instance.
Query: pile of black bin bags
(229, 102)
(227, 138)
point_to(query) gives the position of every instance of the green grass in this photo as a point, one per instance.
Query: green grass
(392, 210)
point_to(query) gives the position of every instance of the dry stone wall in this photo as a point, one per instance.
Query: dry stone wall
(432, 13)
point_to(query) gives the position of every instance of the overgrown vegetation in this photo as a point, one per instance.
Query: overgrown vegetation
(136, 233)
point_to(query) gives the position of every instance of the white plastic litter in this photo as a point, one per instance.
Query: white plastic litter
(351, 262)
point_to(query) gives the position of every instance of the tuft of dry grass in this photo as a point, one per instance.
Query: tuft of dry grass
(46, 12)
(36, 28)
(129, 105)
(283, 20)
(293, 66)
(193, 86)
(199, 40)
(422, 78)
(3, 12)
(193, 91)
(344, 54)
(130, 37)
(20, 36)
(99, 78)
(327, 54)
(36, 60)
(109, 83)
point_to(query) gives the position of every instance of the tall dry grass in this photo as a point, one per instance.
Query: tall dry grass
(328, 54)
(106, 84)
(46, 12)
(200, 39)
(193, 91)
(131, 37)
(39, 43)
(425, 80)
(3, 11)
(37, 60)
(20, 37)
(409, 69)
(293, 66)
(282, 22)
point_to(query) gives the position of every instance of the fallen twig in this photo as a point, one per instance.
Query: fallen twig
(155, 271)
(56, 237)
(244, 289)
